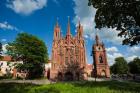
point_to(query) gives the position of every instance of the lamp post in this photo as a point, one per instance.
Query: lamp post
(94, 63)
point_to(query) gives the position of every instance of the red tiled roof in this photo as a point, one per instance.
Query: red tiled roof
(6, 58)
(49, 61)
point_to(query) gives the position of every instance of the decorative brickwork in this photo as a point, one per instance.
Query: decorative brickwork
(101, 68)
(68, 55)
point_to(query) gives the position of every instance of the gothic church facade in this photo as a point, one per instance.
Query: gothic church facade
(68, 55)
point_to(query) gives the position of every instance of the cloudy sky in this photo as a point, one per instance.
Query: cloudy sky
(38, 17)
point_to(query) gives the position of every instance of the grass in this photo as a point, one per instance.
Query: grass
(73, 87)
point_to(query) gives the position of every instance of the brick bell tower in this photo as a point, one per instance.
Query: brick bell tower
(101, 68)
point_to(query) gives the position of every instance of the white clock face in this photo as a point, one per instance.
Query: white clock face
(98, 48)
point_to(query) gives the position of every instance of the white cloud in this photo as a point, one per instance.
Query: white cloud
(86, 36)
(113, 52)
(112, 49)
(87, 14)
(111, 57)
(6, 26)
(3, 40)
(130, 58)
(4, 49)
(110, 35)
(26, 7)
(56, 1)
(134, 49)
(133, 52)
(117, 55)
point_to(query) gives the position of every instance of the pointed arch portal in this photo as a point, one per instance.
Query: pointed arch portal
(68, 76)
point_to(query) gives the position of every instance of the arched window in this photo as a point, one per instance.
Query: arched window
(71, 59)
(76, 50)
(66, 60)
(100, 59)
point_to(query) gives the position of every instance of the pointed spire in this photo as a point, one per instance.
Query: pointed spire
(60, 33)
(57, 31)
(97, 39)
(57, 25)
(79, 22)
(68, 28)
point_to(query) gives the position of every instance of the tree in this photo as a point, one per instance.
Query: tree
(32, 51)
(134, 66)
(46, 59)
(120, 66)
(124, 15)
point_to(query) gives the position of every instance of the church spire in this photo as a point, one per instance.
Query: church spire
(79, 31)
(68, 28)
(57, 35)
(79, 23)
(57, 25)
(97, 39)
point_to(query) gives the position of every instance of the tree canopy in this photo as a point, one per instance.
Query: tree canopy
(32, 51)
(120, 66)
(124, 15)
(134, 66)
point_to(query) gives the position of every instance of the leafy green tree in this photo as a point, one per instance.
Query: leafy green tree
(46, 59)
(124, 15)
(32, 51)
(120, 66)
(134, 66)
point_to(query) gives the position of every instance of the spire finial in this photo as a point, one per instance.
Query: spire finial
(68, 19)
(68, 28)
(97, 38)
(79, 21)
(57, 21)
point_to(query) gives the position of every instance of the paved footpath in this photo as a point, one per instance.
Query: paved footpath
(38, 82)
(98, 79)
(42, 81)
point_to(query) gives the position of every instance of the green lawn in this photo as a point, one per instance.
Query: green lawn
(73, 87)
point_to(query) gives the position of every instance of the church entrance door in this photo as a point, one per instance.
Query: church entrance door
(103, 73)
(60, 76)
(68, 76)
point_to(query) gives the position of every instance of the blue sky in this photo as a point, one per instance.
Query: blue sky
(38, 17)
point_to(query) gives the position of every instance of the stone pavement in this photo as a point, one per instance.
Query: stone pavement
(98, 79)
(42, 81)
(37, 82)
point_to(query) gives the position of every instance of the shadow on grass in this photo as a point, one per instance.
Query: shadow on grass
(26, 88)
(112, 85)
(14, 87)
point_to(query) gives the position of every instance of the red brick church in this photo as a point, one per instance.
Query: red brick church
(69, 56)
